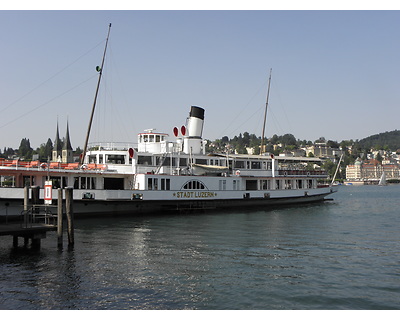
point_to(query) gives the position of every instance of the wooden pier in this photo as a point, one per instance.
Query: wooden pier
(38, 219)
(34, 232)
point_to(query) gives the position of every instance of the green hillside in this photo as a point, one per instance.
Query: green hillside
(387, 140)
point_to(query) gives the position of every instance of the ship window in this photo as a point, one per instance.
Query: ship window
(165, 184)
(58, 182)
(145, 138)
(265, 184)
(93, 183)
(151, 138)
(86, 183)
(278, 184)
(201, 161)
(152, 184)
(256, 165)
(115, 159)
(114, 183)
(92, 159)
(214, 162)
(251, 184)
(193, 185)
(76, 183)
(157, 138)
(146, 160)
(183, 162)
(288, 184)
(239, 165)
(166, 161)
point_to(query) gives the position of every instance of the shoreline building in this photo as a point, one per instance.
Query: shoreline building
(371, 171)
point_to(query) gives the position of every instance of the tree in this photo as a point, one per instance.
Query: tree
(329, 167)
(274, 139)
(45, 150)
(332, 144)
(288, 140)
(25, 150)
(320, 140)
(8, 152)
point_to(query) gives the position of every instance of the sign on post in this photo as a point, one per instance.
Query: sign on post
(48, 192)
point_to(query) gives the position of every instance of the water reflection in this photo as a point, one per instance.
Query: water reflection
(305, 257)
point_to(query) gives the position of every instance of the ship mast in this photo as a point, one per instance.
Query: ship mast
(100, 70)
(265, 113)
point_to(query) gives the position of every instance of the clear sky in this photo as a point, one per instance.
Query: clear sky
(334, 73)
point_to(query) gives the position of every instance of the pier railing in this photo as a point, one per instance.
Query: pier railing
(42, 214)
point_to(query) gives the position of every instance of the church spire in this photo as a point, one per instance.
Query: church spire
(57, 141)
(67, 154)
(57, 147)
(67, 142)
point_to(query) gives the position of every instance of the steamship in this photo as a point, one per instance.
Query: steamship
(162, 174)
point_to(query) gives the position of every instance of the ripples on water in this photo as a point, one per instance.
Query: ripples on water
(343, 254)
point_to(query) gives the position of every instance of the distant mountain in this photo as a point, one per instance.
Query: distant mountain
(389, 140)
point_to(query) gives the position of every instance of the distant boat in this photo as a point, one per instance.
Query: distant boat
(382, 181)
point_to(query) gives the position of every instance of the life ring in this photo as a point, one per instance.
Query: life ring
(43, 165)
(237, 172)
(308, 173)
(83, 167)
(285, 173)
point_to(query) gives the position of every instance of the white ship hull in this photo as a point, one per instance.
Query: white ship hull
(121, 201)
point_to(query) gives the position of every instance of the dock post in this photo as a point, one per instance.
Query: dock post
(35, 194)
(26, 204)
(70, 215)
(35, 201)
(26, 198)
(60, 218)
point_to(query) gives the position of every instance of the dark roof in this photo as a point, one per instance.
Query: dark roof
(67, 142)
(57, 142)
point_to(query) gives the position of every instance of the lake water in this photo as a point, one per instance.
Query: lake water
(342, 254)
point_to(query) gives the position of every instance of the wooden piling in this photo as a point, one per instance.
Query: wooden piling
(26, 198)
(26, 204)
(70, 215)
(35, 194)
(60, 218)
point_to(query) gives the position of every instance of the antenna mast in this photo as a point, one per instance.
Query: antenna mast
(100, 70)
(265, 113)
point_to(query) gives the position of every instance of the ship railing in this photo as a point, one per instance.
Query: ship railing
(29, 165)
(112, 146)
(302, 172)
